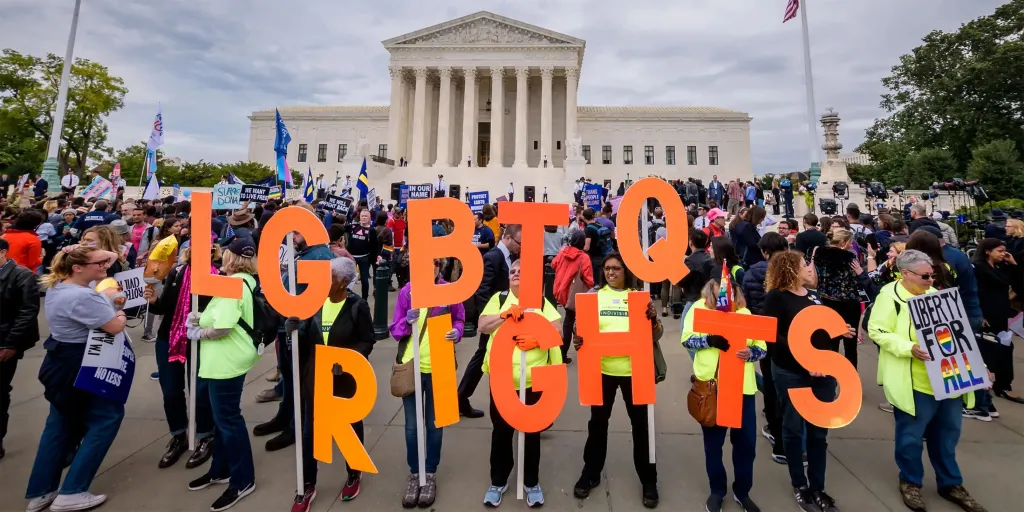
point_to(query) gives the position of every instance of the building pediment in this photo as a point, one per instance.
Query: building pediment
(483, 29)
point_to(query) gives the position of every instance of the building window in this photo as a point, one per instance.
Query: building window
(648, 155)
(586, 152)
(627, 155)
(691, 155)
(535, 143)
(713, 155)
(342, 151)
(606, 155)
(321, 153)
(670, 155)
(558, 144)
(302, 152)
(382, 150)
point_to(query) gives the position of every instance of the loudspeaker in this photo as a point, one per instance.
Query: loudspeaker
(530, 194)
(828, 206)
(396, 191)
(454, 191)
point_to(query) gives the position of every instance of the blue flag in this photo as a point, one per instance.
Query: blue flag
(281, 140)
(307, 186)
(363, 183)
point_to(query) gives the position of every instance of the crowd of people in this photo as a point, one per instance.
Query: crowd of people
(55, 250)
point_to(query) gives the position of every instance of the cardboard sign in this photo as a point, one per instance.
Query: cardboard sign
(112, 380)
(477, 200)
(337, 204)
(98, 188)
(943, 330)
(592, 196)
(254, 194)
(132, 284)
(117, 170)
(227, 196)
(371, 197)
(21, 183)
(403, 196)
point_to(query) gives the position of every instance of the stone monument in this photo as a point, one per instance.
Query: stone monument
(832, 169)
(575, 165)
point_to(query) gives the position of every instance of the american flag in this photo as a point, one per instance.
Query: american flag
(791, 9)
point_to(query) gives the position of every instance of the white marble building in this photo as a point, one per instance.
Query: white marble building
(520, 120)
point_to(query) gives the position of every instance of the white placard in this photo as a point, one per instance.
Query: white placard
(103, 350)
(943, 331)
(132, 284)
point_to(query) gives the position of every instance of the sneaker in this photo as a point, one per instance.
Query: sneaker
(747, 504)
(912, 497)
(957, 494)
(202, 453)
(268, 395)
(767, 434)
(281, 441)
(650, 496)
(428, 493)
(976, 415)
(305, 500)
(885, 406)
(492, 498)
(154, 376)
(534, 496)
(231, 497)
(992, 411)
(205, 481)
(825, 502)
(583, 487)
(176, 447)
(148, 338)
(412, 491)
(274, 375)
(805, 500)
(271, 427)
(351, 488)
(80, 501)
(780, 458)
(714, 503)
(42, 502)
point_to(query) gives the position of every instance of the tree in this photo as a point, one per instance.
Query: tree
(248, 172)
(998, 167)
(28, 96)
(924, 167)
(862, 173)
(21, 149)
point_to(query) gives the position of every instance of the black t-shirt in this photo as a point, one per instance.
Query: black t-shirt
(784, 306)
(808, 239)
(593, 233)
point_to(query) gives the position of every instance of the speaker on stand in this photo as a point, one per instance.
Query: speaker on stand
(396, 191)
(530, 193)
(454, 191)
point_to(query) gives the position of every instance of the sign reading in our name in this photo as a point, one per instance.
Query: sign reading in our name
(227, 196)
(133, 285)
(477, 200)
(421, 191)
(592, 196)
(254, 194)
(108, 366)
(942, 328)
(337, 204)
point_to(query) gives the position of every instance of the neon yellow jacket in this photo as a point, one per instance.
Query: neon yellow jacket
(705, 361)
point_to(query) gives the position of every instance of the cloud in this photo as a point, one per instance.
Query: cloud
(210, 64)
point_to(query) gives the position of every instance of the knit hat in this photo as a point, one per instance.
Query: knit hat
(72, 211)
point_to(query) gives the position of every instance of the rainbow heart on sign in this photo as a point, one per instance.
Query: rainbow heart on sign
(945, 339)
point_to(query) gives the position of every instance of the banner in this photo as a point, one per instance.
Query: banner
(176, 192)
(98, 188)
(227, 196)
(403, 196)
(21, 183)
(108, 366)
(337, 204)
(943, 331)
(254, 194)
(477, 200)
(592, 196)
(132, 284)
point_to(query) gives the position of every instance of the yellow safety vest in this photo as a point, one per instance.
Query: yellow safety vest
(613, 316)
(328, 315)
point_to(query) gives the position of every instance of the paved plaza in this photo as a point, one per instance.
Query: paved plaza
(862, 475)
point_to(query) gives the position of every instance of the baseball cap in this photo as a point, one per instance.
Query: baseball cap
(715, 213)
(243, 247)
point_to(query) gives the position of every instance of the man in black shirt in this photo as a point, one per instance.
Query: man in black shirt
(811, 236)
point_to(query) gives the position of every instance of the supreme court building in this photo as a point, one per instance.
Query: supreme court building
(486, 100)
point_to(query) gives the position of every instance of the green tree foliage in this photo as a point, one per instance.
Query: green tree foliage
(189, 174)
(927, 166)
(997, 166)
(861, 173)
(28, 96)
(21, 149)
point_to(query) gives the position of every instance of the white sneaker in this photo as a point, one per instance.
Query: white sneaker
(40, 503)
(80, 501)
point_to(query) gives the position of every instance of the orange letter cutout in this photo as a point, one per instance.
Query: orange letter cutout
(533, 217)
(315, 274)
(552, 380)
(442, 371)
(736, 328)
(846, 406)
(635, 343)
(424, 249)
(333, 416)
(205, 283)
(667, 253)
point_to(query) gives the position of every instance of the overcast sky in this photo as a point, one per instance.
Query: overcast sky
(212, 62)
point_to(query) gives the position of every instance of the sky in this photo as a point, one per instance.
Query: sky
(211, 63)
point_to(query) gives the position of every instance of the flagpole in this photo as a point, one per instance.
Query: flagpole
(52, 152)
(812, 131)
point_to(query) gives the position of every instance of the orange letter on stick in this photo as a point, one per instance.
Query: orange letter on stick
(846, 406)
(315, 274)
(737, 328)
(425, 248)
(533, 217)
(333, 416)
(666, 254)
(635, 343)
(552, 380)
(442, 371)
(205, 283)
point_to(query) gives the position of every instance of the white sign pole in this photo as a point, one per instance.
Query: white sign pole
(646, 237)
(522, 437)
(296, 391)
(192, 376)
(421, 447)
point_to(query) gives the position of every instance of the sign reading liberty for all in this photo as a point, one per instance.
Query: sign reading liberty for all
(942, 329)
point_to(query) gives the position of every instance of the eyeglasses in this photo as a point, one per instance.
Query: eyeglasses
(613, 269)
(929, 276)
(101, 263)
(513, 272)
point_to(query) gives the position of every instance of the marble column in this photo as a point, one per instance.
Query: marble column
(419, 117)
(546, 74)
(497, 116)
(395, 115)
(522, 79)
(444, 115)
(468, 117)
(572, 76)
(408, 100)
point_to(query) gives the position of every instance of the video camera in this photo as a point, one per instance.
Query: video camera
(874, 189)
(841, 189)
(898, 189)
(811, 186)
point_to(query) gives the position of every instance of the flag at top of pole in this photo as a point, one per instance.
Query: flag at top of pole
(791, 10)
(307, 186)
(281, 140)
(363, 182)
(156, 137)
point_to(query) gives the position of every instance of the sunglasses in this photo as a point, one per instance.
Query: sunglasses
(928, 276)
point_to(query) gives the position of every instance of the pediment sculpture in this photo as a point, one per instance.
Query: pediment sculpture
(484, 31)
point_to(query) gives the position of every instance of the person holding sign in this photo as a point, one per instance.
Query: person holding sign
(904, 377)
(73, 311)
(503, 307)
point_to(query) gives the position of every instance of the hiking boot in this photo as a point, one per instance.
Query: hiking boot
(650, 496)
(428, 493)
(351, 488)
(747, 504)
(583, 487)
(805, 500)
(957, 494)
(305, 500)
(176, 447)
(825, 502)
(202, 453)
(912, 497)
(713, 503)
(492, 498)
(412, 491)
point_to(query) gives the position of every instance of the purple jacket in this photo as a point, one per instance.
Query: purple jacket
(400, 327)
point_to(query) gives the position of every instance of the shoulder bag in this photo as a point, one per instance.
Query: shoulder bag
(702, 400)
(403, 375)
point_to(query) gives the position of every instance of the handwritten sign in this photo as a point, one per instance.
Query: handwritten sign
(254, 194)
(592, 196)
(371, 198)
(227, 196)
(133, 285)
(477, 200)
(108, 366)
(942, 328)
(421, 192)
(98, 188)
(337, 204)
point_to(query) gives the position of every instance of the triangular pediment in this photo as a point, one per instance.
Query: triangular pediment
(482, 29)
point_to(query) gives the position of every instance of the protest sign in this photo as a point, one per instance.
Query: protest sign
(117, 170)
(176, 192)
(98, 188)
(592, 196)
(254, 194)
(227, 196)
(421, 192)
(21, 183)
(337, 204)
(132, 284)
(275, 192)
(942, 329)
(371, 197)
(403, 196)
(108, 366)
(477, 200)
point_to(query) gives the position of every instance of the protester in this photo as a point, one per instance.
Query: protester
(364, 246)
(839, 287)
(571, 266)
(701, 268)
(998, 276)
(722, 252)
(746, 236)
(716, 226)
(25, 247)
(19, 327)
(810, 237)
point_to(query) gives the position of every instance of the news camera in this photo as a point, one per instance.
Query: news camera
(841, 189)
(898, 189)
(875, 190)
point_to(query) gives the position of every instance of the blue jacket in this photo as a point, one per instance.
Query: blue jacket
(716, 191)
(753, 287)
(964, 280)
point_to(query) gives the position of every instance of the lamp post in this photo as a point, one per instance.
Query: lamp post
(50, 165)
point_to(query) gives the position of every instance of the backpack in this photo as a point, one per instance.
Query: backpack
(784, 182)
(267, 321)
(605, 236)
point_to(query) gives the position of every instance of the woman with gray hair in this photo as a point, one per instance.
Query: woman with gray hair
(344, 321)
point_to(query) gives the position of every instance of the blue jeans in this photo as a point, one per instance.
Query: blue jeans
(286, 409)
(940, 422)
(101, 419)
(232, 453)
(434, 434)
(173, 381)
(744, 443)
(796, 432)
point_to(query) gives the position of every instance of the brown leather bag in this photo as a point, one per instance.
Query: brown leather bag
(702, 400)
(403, 375)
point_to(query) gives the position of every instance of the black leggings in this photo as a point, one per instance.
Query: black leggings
(364, 274)
(850, 311)
(567, 326)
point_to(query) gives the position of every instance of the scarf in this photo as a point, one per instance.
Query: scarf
(178, 343)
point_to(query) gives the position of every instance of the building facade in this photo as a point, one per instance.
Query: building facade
(486, 100)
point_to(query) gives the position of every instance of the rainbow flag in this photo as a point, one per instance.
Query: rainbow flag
(725, 302)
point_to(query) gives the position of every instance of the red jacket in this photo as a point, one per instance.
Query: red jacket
(26, 248)
(569, 263)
